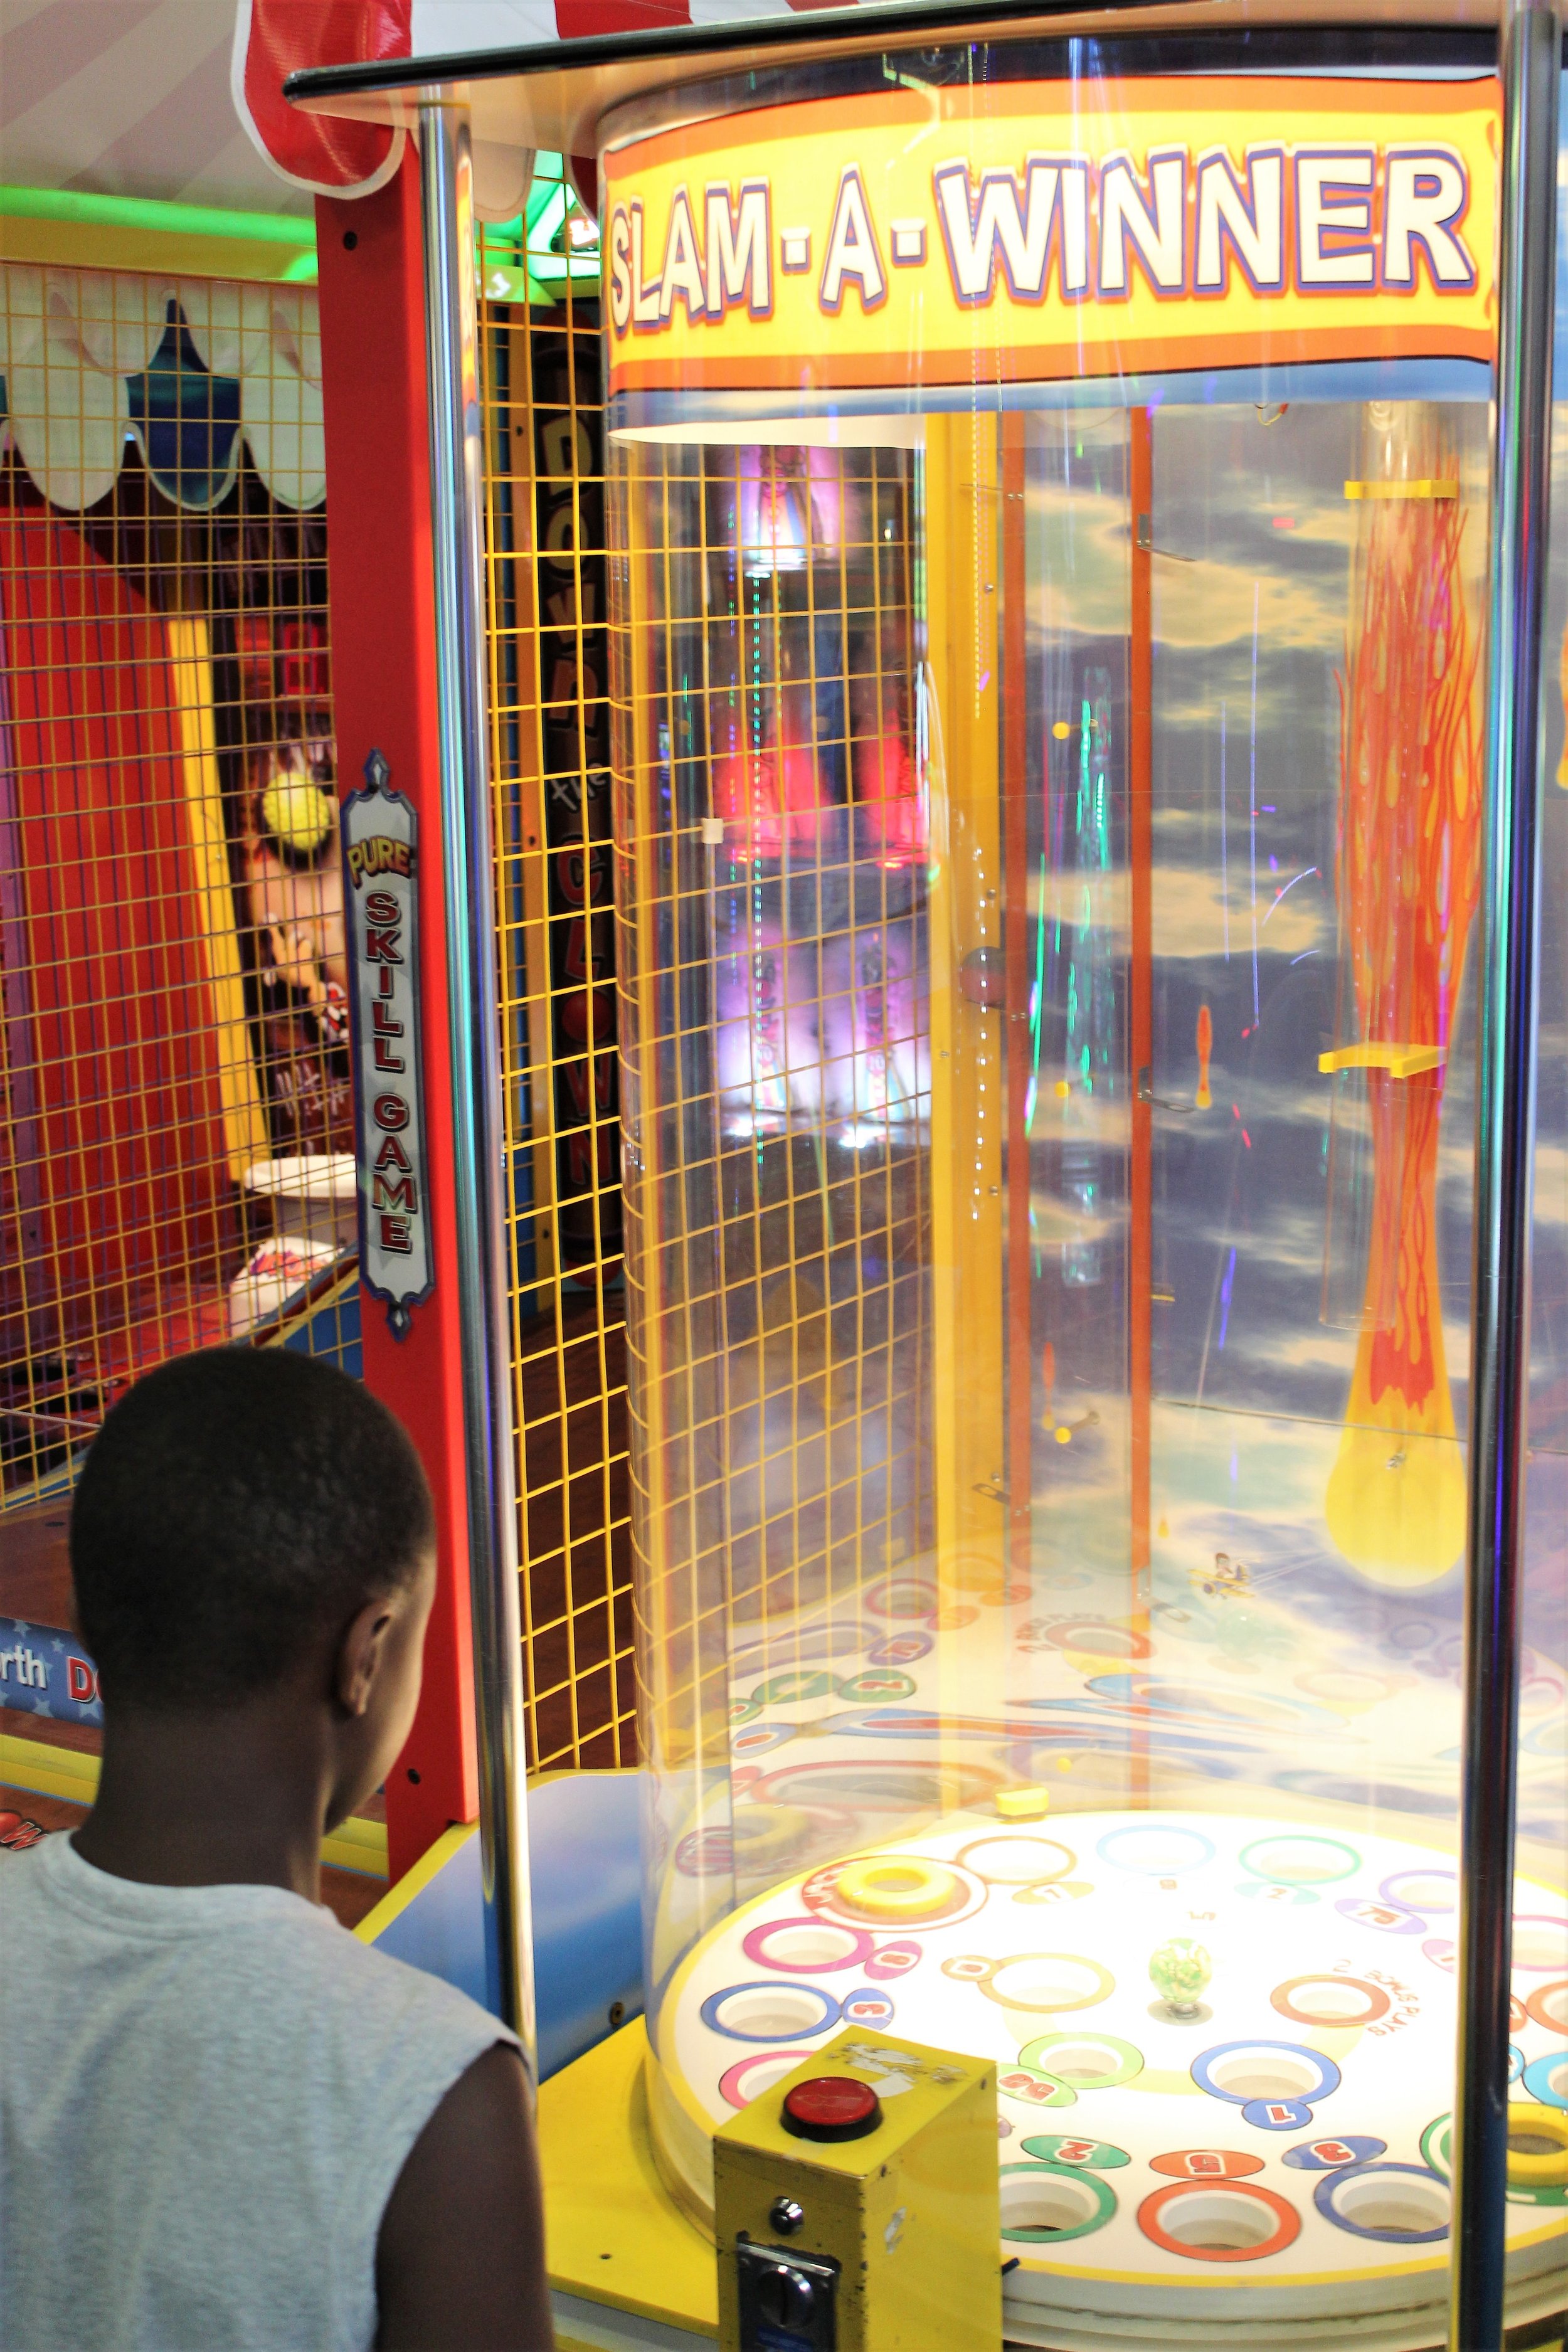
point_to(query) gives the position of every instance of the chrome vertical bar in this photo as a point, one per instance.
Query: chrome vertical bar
(1505, 1144)
(456, 501)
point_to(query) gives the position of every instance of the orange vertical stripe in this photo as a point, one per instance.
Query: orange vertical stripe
(1141, 837)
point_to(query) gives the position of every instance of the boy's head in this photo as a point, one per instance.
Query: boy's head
(240, 1513)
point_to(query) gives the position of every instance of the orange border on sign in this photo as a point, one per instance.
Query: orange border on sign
(928, 341)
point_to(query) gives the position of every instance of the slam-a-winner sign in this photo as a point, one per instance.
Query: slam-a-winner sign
(381, 895)
(1062, 229)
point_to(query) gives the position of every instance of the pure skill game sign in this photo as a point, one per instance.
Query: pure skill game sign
(1100, 231)
(381, 898)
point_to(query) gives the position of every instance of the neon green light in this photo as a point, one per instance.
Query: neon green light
(149, 212)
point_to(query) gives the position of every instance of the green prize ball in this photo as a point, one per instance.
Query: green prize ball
(1180, 1971)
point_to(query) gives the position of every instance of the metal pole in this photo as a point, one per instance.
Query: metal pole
(456, 501)
(1505, 1144)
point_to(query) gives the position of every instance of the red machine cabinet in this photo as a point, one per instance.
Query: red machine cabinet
(384, 667)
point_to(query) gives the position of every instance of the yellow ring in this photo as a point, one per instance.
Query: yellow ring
(1527, 2169)
(895, 1886)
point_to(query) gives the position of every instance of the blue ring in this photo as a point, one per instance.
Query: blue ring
(824, 2023)
(1536, 2084)
(1203, 2076)
(1106, 1851)
(1324, 2193)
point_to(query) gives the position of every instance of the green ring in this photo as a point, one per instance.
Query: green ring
(1307, 1837)
(1104, 2198)
(1034, 2056)
(1434, 2148)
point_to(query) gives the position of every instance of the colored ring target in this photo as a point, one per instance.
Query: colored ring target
(1546, 2079)
(1155, 1850)
(1291, 1858)
(1396, 2204)
(906, 1891)
(1084, 2062)
(1538, 2145)
(1548, 2006)
(1242, 2073)
(1329, 1999)
(773, 2010)
(807, 1946)
(1039, 1984)
(1044, 2203)
(1195, 2219)
(748, 2078)
(1434, 1892)
(1021, 1860)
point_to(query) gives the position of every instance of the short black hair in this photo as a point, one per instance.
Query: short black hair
(236, 1509)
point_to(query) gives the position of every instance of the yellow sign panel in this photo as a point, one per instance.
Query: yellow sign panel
(1054, 229)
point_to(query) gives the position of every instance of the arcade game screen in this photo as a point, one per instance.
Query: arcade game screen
(1049, 751)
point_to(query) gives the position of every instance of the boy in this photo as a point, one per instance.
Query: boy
(224, 2121)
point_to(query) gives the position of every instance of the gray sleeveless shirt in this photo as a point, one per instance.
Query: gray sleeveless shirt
(207, 2095)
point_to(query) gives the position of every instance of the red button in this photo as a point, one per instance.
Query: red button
(831, 2106)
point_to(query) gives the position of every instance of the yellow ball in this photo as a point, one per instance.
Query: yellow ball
(297, 812)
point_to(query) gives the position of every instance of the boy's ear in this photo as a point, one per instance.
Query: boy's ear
(360, 1654)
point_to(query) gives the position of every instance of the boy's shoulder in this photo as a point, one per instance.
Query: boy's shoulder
(261, 1953)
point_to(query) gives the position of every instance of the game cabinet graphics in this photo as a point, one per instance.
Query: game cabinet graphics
(381, 891)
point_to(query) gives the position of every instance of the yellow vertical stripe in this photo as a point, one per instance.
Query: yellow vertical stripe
(244, 1121)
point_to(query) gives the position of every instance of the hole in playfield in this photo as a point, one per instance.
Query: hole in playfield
(1402, 2203)
(809, 1948)
(1529, 2142)
(1334, 2001)
(1049, 2201)
(1082, 2061)
(1266, 2074)
(779, 2010)
(1218, 2220)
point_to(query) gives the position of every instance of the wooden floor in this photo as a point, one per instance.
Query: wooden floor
(347, 1894)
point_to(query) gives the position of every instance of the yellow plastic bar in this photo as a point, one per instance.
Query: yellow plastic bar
(962, 510)
(1399, 1061)
(1444, 489)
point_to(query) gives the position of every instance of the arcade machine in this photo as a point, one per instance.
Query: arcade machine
(1049, 505)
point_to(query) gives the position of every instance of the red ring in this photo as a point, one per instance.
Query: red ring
(1287, 2230)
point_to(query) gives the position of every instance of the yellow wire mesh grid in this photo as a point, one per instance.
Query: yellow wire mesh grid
(771, 890)
(550, 751)
(174, 1097)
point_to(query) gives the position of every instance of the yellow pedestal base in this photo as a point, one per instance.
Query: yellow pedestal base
(615, 2238)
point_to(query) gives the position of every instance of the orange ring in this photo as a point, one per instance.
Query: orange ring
(1535, 2006)
(1287, 2008)
(1288, 2221)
